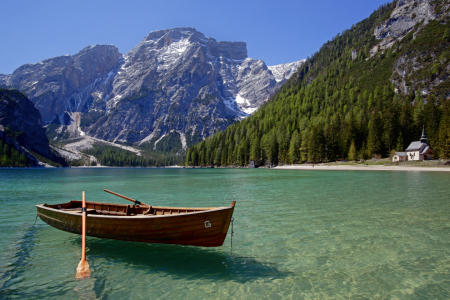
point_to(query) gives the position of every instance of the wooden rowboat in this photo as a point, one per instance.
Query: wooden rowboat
(206, 227)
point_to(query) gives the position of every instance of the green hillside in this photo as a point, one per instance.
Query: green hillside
(342, 107)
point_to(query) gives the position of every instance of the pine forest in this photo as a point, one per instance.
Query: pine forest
(343, 103)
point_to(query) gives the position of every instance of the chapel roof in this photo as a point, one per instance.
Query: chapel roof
(416, 146)
(421, 145)
(424, 149)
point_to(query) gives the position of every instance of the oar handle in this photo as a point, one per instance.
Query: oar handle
(83, 228)
(126, 198)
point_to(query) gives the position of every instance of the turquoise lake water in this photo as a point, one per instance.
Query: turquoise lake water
(297, 235)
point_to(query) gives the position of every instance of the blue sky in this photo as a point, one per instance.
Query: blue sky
(275, 31)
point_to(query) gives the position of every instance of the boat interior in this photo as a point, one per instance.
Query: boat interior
(100, 208)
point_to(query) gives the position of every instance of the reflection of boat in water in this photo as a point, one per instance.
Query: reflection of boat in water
(205, 227)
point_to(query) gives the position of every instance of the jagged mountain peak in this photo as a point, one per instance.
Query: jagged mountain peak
(97, 51)
(177, 32)
(66, 83)
(183, 36)
(163, 38)
(174, 81)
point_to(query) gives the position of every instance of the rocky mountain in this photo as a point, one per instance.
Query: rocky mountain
(4, 80)
(174, 81)
(66, 83)
(417, 69)
(366, 93)
(284, 71)
(403, 18)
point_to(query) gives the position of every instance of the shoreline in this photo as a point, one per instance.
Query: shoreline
(89, 167)
(361, 168)
(318, 167)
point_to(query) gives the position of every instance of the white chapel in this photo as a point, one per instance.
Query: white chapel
(418, 150)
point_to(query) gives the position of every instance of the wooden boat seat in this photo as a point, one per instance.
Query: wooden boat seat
(78, 210)
(106, 211)
(112, 213)
(90, 211)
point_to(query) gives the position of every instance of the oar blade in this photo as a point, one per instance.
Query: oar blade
(83, 270)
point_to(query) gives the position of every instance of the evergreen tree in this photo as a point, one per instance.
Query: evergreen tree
(7, 150)
(399, 147)
(5, 161)
(388, 128)
(443, 148)
(304, 147)
(272, 148)
(194, 157)
(218, 155)
(352, 152)
(255, 149)
(375, 132)
(294, 148)
(446, 36)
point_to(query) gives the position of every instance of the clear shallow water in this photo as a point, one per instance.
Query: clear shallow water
(298, 234)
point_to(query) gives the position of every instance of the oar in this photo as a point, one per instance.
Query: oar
(126, 198)
(83, 267)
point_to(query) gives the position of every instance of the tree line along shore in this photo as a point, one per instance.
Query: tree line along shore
(342, 103)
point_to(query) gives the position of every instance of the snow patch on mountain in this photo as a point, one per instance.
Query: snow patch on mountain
(283, 72)
(173, 80)
(245, 105)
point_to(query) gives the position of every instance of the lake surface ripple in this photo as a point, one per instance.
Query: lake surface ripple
(297, 235)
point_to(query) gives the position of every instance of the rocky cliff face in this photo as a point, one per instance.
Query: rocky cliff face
(425, 69)
(4, 80)
(66, 83)
(179, 80)
(283, 72)
(404, 17)
(20, 120)
(256, 82)
(174, 80)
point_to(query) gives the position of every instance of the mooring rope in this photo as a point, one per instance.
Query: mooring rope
(35, 219)
(232, 231)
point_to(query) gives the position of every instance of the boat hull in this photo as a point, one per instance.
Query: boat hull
(206, 228)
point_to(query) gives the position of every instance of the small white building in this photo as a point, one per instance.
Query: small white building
(420, 150)
(400, 156)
